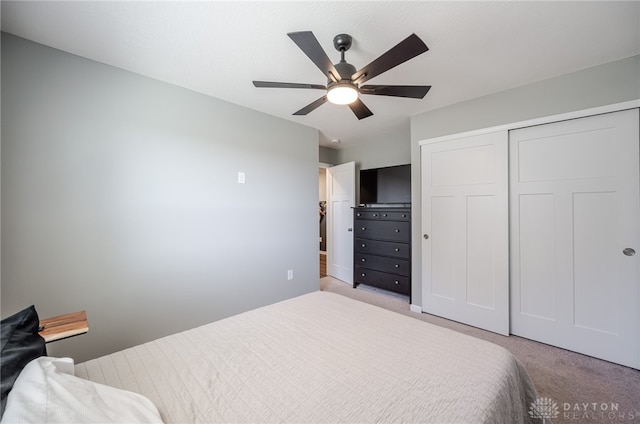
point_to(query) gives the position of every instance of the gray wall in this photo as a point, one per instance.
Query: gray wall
(384, 151)
(610, 83)
(120, 196)
(328, 155)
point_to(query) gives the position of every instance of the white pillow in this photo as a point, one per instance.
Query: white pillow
(46, 391)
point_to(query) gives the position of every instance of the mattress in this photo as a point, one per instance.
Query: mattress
(321, 358)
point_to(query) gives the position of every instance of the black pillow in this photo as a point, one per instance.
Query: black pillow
(20, 344)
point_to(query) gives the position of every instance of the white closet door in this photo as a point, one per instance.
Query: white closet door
(465, 271)
(574, 210)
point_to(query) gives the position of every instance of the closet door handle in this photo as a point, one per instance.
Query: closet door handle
(426, 236)
(629, 251)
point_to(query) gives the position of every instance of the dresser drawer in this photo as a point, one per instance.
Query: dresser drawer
(395, 215)
(383, 280)
(385, 214)
(382, 263)
(373, 214)
(385, 248)
(383, 230)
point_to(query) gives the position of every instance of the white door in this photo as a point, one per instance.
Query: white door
(465, 271)
(575, 208)
(341, 190)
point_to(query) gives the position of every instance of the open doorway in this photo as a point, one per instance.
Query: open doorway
(322, 212)
(339, 194)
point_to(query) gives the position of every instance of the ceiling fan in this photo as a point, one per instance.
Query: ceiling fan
(344, 83)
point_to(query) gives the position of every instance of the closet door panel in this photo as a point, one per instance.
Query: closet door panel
(575, 211)
(555, 158)
(480, 284)
(465, 225)
(595, 253)
(537, 286)
(442, 252)
(451, 167)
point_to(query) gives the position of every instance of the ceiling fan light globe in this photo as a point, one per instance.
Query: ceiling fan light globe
(342, 94)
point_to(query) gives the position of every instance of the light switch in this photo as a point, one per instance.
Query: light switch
(241, 177)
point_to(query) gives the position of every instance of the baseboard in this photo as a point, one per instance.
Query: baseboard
(415, 308)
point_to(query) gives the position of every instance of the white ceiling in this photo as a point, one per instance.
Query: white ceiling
(218, 48)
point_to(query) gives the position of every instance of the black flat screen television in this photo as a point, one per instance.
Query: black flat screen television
(389, 186)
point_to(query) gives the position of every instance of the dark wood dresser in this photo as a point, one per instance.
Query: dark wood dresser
(382, 248)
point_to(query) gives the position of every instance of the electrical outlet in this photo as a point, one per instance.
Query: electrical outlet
(290, 274)
(241, 177)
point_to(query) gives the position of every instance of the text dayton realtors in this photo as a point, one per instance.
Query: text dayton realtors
(596, 410)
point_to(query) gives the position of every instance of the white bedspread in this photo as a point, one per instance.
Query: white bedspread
(321, 358)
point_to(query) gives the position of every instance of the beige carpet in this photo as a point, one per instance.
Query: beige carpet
(585, 389)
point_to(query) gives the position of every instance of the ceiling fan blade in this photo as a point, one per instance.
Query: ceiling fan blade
(411, 91)
(269, 84)
(407, 49)
(312, 106)
(360, 110)
(309, 44)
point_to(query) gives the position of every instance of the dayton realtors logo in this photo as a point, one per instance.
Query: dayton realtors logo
(547, 409)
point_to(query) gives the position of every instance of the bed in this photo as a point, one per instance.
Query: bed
(320, 358)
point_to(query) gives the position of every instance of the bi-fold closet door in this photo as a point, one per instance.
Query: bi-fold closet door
(554, 260)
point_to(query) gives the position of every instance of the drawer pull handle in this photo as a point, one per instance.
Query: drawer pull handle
(397, 282)
(384, 214)
(364, 228)
(363, 260)
(397, 231)
(404, 215)
(397, 266)
(375, 214)
(364, 245)
(397, 250)
(362, 275)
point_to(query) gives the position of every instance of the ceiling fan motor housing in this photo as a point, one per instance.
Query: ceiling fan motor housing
(345, 70)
